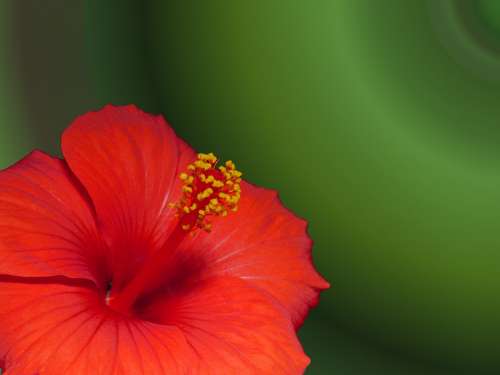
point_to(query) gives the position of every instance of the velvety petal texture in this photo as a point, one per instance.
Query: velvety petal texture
(75, 233)
(231, 325)
(129, 162)
(54, 329)
(264, 244)
(47, 225)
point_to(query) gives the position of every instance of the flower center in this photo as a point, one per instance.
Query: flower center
(207, 191)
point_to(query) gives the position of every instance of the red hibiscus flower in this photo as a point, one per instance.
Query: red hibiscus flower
(134, 255)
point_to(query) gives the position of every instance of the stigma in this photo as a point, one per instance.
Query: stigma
(207, 191)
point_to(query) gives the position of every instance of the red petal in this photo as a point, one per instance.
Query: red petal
(232, 327)
(58, 330)
(264, 244)
(128, 162)
(46, 224)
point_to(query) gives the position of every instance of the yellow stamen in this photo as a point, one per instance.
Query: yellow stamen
(207, 191)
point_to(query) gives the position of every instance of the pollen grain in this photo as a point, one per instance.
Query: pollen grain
(207, 190)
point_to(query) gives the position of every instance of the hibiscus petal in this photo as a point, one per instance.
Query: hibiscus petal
(264, 244)
(232, 327)
(55, 329)
(47, 226)
(128, 161)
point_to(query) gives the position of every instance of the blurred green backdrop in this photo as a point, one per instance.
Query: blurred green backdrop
(377, 121)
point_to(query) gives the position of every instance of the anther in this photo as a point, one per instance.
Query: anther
(207, 191)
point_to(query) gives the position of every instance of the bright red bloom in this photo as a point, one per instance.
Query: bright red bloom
(183, 300)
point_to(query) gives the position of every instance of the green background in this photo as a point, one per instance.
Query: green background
(378, 121)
